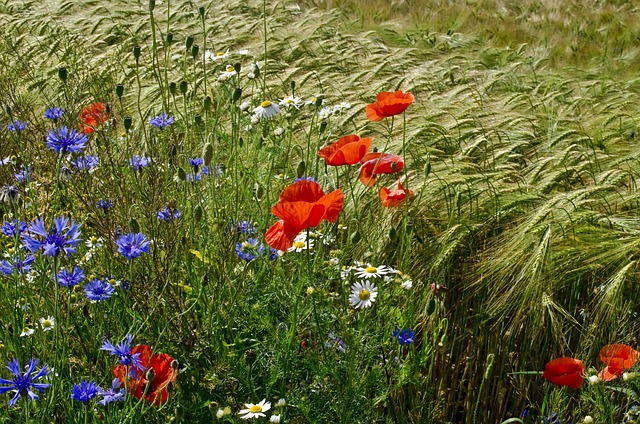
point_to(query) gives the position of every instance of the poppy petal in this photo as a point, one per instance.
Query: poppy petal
(333, 203)
(374, 113)
(299, 215)
(565, 371)
(280, 236)
(302, 191)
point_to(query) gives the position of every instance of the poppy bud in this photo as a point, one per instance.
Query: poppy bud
(133, 224)
(127, 121)
(392, 234)
(183, 87)
(256, 70)
(237, 67)
(206, 103)
(207, 154)
(301, 168)
(173, 88)
(188, 42)
(182, 175)
(240, 141)
(107, 109)
(431, 306)
(119, 90)
(114, 121)
(8, 110)
(201, 11)
(318, 102)
(197, 213)
(194, 50)
(174, 150)
(237, 93)
(355, 237)
(136, 53)
(150, 375)
(323, 126)
(62, 73)
(152, 5)
(258, 191)
(427, 168)
(197, 119)
(169, 37)
(293, 86)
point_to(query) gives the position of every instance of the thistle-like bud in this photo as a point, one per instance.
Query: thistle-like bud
(173, 88)
(136, 53)
(183, 87)
(127, 121)
(119, 90)
(206, 103)
(237, 93)
(169, 37)
(62, 73)
(188, 42)
(194, 50)
(251, 355)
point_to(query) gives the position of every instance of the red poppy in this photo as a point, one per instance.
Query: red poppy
(388, 104)
(346, 151)
(153, 391)
(565, 371)
(374, 164)
(391, 198)
(93, 116)
(301, 205)
(618, 358)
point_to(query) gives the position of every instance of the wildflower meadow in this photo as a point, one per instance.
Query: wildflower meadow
(319, 212)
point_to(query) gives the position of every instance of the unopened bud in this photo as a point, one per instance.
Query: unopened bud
(119, 90)
(136, 53)
(201, 11)
(188, 42)
(175, 364)
(594, 379)
(197, 119)
(237, 93)
(173, 88)
(194, 50)
(182, 175)
(169, 37)
(127, 121)
(323, 126)
(256, 70)
(207, 154)
(318, 101)
(237, 67)
(293, 86)
(152, 5)
(150, 375)
(206, 103)
(62, 73)
(183, 87)
(310, 291)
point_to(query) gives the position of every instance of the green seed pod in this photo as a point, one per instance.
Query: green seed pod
(197, 213)
(181, 174)
(197, 119)
(258, 191)
(136, 53)
(207, 154)
(302, 167)
(318, 101)
(133, 224)
(194, 50)
(355, 237)
(237, 93)
(293, 86)
(62, 73)
(127, 121)
(152, 5)
(183, 87)
(237, 67)
(169, 37)
(206, 103)
(119, 90)
(173, 88)
(427, 168)
(188, 42)
(201, 11)
(323, 126)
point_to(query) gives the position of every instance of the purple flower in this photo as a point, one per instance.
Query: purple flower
(273, 254)
(132, 245)
(20, 266)
(295, 180)
(53, 113)
(62, 237)
(244, 227)
(125, 357)
(161, 121)
(336, 342)
(66, 140)
(250, 249)
(23, 175)
(16, 126)
(85, 391)
(9, 194)
(24, 383)
(98, 290)
(86, 162)
(196, 162)
(138, 162)
(104, 204)
(112, 394)
(70, 279)
(404, 337)
(13, 228)
(167, 214)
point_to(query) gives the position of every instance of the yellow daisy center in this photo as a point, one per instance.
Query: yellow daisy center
(220, 54)
(266, 103)
(94, 240)
(46, 323)
(255, 408)
(371, 270)
(298, 244)
(289, 101)
(230, 69)
(364, 294)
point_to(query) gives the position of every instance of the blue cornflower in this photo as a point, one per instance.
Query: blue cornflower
(336, 342)
(17, 126)
(66, 140)
(404, 337)
(104, 204)
(63, 237)
(273, 254)
(250, 249)
(20, 266)
(244, 227)
(552, 418)
(132, 245)
(138, 162)
(161, 121)
(196, 162)
(167, 214)
(23, 175)
(12, 228)
(53, 113)
(70, 279)
(303, 178)
(192, 177)
(86, 162)
(85, 391)
(123, 352)
(112, 394)
(98, 290)
(23, 383)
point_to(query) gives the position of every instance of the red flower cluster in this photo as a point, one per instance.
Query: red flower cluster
(153, 381)
(349, 150)
(391, 198)
(93, 116)
(389, 104)
(618, 358)
(302, 205)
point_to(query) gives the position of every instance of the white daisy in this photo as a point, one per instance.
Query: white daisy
(312, 101)
(26, 332)
(341, 106)
(223, 412)
(325, 112)
(301, 242)
(363, 294)
(47, 323)
(229, 72)
(281, 403)
(291, 101)
(209, 55)
(274, 419)
(370, 271)
(266, 110)
(243, 52)
(281, 177)
(255, 411)
(244, 106)
(94, 242)
(406, 284)
(278, 131)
